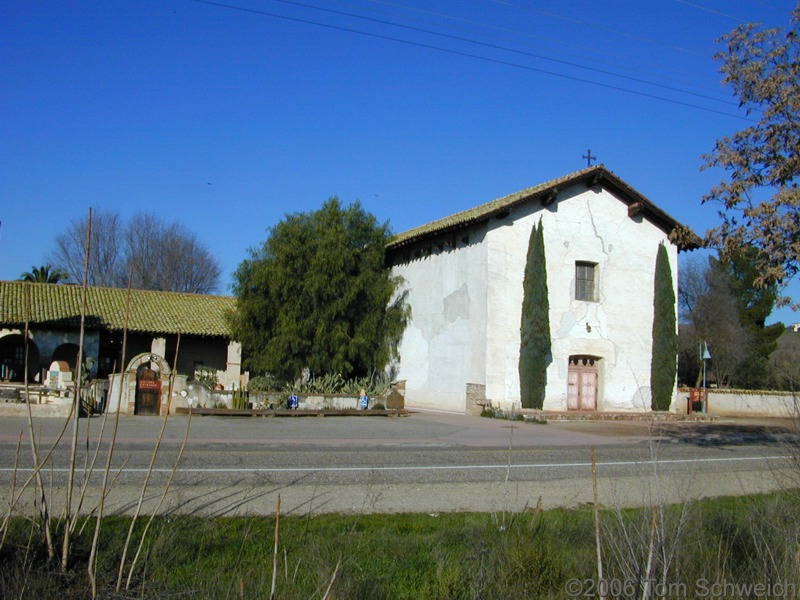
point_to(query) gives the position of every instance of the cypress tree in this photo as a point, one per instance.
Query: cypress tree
(534, 351)
(663, 365)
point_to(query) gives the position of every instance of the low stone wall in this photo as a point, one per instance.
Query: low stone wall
(20, 409)
(44, 402)
(318, 401)
(104, 396)
(204, 398)
(748, 403)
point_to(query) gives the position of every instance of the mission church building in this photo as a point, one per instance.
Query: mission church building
(463, 276)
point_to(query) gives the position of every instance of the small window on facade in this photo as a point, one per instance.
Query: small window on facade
(585, 282)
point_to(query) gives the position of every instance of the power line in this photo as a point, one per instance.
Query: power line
(538, 38)
(506, 49)
(711, 10)
(468, 55)
(627, 34)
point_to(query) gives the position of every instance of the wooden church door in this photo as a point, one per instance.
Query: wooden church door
(582, 383)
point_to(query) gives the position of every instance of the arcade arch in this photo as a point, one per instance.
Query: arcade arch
(12, 357)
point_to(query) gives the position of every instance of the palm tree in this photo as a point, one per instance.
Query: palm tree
(43, 274)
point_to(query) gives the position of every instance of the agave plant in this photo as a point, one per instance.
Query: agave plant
(375, 384)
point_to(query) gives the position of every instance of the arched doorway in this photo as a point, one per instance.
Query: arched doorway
(582, 383)
(69, 354)
(149, 371)
(148, 390)
(12, 358)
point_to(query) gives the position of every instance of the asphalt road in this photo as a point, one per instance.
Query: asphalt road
(427, 462)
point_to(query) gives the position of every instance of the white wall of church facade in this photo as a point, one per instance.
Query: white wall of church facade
(443, 346)
(466, 306)
(592, 226)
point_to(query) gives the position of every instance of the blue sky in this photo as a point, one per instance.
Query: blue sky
(227, 116)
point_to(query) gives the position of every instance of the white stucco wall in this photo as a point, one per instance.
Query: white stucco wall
(748, 403)
(584, 225)
(443, 347)
(466, 304)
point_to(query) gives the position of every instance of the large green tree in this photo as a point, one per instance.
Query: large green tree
(709, 315)
(318, 296)
(663, 364)
(535, 350)
(754, 303)
(785, 362)
(760, 198)
(723, 306)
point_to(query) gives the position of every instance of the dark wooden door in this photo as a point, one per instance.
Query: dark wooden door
(148, 391)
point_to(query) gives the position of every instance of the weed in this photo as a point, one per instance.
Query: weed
(497, 413)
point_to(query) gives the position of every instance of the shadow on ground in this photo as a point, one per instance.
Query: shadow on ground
(730, 434)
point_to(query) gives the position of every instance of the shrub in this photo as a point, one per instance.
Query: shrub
(263, 383)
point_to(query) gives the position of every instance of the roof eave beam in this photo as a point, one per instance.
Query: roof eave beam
(595, 179)
(635, 208)
(550, 197)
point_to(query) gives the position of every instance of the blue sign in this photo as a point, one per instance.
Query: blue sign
(293, 401)
(364, 401)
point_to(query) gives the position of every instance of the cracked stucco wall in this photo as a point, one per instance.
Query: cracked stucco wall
(583, 225)
(443, 346)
